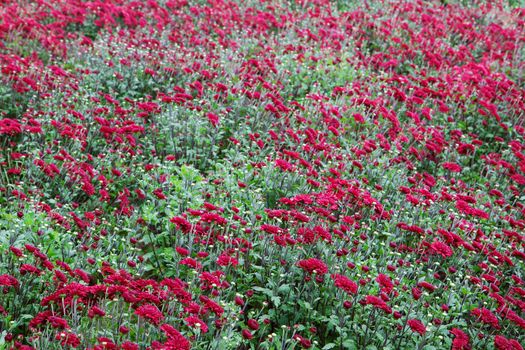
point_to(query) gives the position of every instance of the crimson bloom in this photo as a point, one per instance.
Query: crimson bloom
(461, 340)
(246, 334)
(150, 312)
(195, 322)
(502, 343)
(417, 326)
(344, 283)
(313, 265)
(441, 249)
(213, 119)
(378, 303)
(486, 316)
(177, 340)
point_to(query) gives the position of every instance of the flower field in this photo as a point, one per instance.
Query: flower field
(274, 175)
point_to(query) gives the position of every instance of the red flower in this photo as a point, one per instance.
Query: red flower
(10, 126)
(313, 265)
(417, 326)
(95, 311)
(452, 167)
(378, 303)
(182, 251)
(68, 339)
(305, 343)
(57, 322)
(195, 322)
(150, 312)
(461, 340)
(441, 249)
(344, 283)
(253, 324)
(129, 346)
(385, 282)
(484, 315)
(107, 344)
(515, 318)
(225, 260)
(520, 179)
(191, 263)
(9, 281)
(502, 343)
(211, 305)
(466, 209)
(417, 293)
(427, 286)
(27, 268)
(159, 194)
(246, 334)
(213, 119)
(16, 251)
(176, 338)
(239, 301)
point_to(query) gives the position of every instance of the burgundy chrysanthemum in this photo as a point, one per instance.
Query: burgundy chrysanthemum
(484, 315)
(417, 326)
(441, 249)
(502, 343)
(461, 340)
(378, 303)
(175, 339)
(344, 283)
(313, 265)
(150, 312)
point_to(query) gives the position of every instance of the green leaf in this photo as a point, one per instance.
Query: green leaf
(276, 301)
(2, 339)
(306, 305)
(329, 346)
(266, 291)
(285, 288)
(350, 344)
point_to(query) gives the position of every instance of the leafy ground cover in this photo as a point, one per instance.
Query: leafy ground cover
(262, 175)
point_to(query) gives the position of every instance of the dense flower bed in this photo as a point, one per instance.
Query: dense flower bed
(217, 174)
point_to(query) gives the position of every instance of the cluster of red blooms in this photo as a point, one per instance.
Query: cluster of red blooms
(218, 160)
